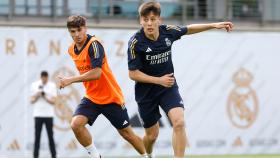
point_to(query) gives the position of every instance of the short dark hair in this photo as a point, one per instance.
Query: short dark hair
(44, 74)
(148, 7)
(76, 21)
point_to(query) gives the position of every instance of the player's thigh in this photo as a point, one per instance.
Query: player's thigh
(149, 113)
(176, 116)
(85, 113)
(116, 114)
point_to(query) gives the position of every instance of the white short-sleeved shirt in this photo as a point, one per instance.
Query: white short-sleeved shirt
(41, 107)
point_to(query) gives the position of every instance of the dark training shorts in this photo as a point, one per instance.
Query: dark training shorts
(149, 110)
(115, 113)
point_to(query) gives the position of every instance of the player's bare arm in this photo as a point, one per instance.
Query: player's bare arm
(93, 74)
(196, 28)
(165, 80)
(35, 97)
(50, 100)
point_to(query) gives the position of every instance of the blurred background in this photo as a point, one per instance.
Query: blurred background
(255, 12)
(229, 81)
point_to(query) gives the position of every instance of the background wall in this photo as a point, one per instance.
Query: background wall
(229, 84)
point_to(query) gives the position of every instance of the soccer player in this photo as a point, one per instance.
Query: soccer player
(150, 65)
(103, 94)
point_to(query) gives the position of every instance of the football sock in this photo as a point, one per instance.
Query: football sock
(92, 151)
(151, 155)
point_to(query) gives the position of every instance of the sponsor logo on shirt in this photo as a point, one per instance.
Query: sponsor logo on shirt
(84, 68)
(158, 58)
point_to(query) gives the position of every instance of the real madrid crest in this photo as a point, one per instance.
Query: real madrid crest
(168, 42)
(242, 105)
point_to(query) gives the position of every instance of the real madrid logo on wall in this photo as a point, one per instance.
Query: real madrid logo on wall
(242, 105)
(65, 102)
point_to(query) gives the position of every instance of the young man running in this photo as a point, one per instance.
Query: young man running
(150, 65)
(103, 94)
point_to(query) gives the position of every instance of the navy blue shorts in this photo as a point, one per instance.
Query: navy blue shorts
(115, 113)
(149, 110)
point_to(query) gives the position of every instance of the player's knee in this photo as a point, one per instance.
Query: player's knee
(152, 136)
(126, 134)
(78, 122)
(179, 124)
(76, 125)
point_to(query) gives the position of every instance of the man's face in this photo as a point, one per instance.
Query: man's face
(44, 79)
(78, 34)
(150, 23)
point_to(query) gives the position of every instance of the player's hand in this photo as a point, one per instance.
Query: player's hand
(63, 82)
(224, 25)
(37, 95)
(167, 80)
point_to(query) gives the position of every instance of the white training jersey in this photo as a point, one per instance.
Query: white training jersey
(41, 107)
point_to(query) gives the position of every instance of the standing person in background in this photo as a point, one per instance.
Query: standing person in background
(103, 94)
(43, 95)
(150, 65)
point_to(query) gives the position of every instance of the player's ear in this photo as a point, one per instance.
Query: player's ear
(160, 20)
(140, 20)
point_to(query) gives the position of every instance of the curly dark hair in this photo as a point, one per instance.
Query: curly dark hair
(76, 21)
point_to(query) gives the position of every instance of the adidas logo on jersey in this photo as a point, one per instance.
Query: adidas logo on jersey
(125, 122)
(148, 49)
